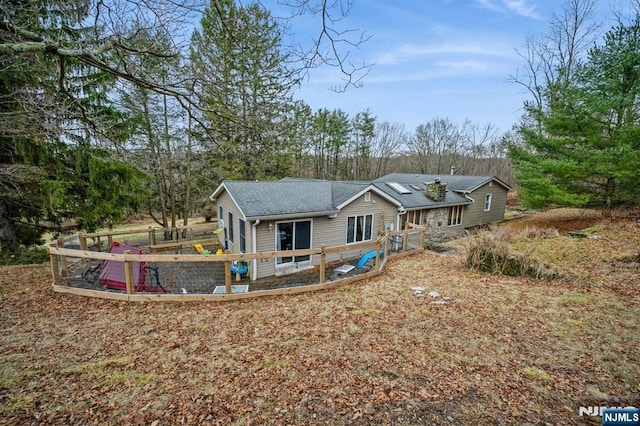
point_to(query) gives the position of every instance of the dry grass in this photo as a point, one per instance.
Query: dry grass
(492, 350)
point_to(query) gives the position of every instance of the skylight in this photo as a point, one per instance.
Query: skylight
(416, 187)
(398, 188)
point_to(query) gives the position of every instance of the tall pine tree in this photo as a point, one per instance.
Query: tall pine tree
(245, 85)
(52, 108)
(585, 146)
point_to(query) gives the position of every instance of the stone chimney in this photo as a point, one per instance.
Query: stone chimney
(436, 190)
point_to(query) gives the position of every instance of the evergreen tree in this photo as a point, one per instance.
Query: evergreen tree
(585, 146)
(363, 125)
(52, 107)
(245, 86)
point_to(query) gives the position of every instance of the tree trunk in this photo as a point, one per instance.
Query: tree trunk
(169, 165)
(8, 236)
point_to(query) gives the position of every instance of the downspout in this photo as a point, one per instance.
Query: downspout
(254, 242)
(401, 211)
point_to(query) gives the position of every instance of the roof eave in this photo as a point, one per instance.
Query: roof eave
(437, 206)
(371, 187)
(217, 191)
(491, 179)
(293, 215)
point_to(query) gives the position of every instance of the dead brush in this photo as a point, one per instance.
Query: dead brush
(535, 232)
(491, 252)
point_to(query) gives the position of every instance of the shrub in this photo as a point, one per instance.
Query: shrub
(25, 256)
(490, 252)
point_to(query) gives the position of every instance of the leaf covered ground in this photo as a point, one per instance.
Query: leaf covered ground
(487, 350)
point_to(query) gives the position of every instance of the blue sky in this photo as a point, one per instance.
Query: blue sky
(433, 59)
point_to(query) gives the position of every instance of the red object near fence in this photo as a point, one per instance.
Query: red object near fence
(112, 272)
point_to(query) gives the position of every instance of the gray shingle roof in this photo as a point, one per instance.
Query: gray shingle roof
(291, 197)
(281, 198)
(454, 182)
(416, 198)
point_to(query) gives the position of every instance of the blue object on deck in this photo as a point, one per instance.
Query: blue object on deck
(368, 255)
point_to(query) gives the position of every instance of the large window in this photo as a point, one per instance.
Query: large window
(359, 228)
(243, 238)
(413, 216)
(293, 236)
(230, 226)
(455, 215)
(487, 202)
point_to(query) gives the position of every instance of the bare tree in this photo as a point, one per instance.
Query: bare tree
(333, 42)
(476, 142)
(552, 58)
(432, 143)
(106, 35)
(387, 144)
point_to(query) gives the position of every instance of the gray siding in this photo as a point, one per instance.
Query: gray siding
(332, 232)
(383, 213)
(474, 214)
(228, 205)
(328, 231)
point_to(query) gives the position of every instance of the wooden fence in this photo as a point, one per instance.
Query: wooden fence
(61, 259)
(177, 235)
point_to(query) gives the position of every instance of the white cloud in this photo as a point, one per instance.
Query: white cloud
(466, 66)
(413, 52)
(522, 8)
(519, 7)
(488, 4)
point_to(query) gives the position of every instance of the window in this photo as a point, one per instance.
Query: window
(455, 215)
(367, 197)
(293, 236)
(414, 217)
(220, 217)
(487, 202)
(359, 228)
(398, 188)
(243, 237)
(230, 226)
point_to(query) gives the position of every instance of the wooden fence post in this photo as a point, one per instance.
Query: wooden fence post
(128, 272)
(152, 237)
(423, 232)
(386, 245)
(323, 265)
(227, 276)
(55, 271)
(406, 235)
(63, 259)
(109, 241)
(377, 264)
(83, 241)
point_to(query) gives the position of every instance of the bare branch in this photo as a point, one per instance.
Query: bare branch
(332, 45)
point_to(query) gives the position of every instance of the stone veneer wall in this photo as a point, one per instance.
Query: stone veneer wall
(436, 191)
(436, 223)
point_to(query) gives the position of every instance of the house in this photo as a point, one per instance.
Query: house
(449, 203)
(294, 214)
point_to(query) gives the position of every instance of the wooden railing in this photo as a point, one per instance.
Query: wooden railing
(180, 233)
(60, 259)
